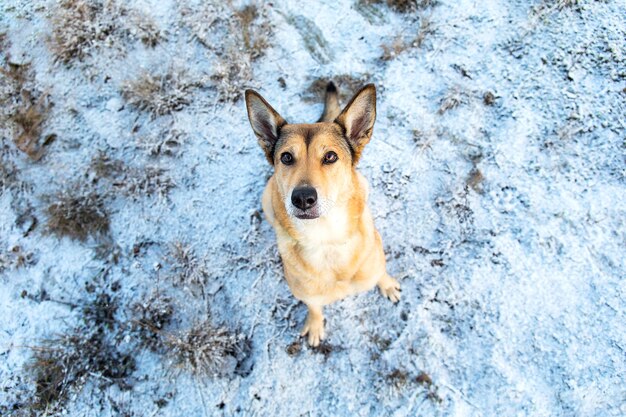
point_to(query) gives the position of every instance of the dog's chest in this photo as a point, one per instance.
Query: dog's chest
(327, 245)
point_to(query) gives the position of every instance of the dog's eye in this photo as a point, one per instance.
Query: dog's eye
(286, 158)
(330, 157)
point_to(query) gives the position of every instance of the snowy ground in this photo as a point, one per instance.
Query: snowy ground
(498, 179)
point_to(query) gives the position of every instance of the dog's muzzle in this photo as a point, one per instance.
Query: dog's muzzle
(304, 199)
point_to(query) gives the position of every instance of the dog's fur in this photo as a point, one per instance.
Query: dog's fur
(331, 249)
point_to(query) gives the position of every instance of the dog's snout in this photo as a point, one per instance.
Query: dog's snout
(304, 197)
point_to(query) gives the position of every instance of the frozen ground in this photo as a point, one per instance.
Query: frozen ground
(497, 170)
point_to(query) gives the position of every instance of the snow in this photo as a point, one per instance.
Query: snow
(514, 297)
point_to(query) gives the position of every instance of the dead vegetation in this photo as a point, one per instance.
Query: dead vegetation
(159, 94)
(133, 182)
(457, 212)
(167, 142)
(234, 38)
(401, 380)
(151, 181)
(77, 213)
(24, 108)
(403, 43)
(475, 180)
(16, 258)
(63, 364)
(255, 30)
(151, 316)
(547, 7)
(207, 350)
(454, 97)
(79, 27)
(146, 30)
(185, 267)
(401, 6)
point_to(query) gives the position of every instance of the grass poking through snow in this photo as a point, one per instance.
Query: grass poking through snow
(158, 94)
(77, 213)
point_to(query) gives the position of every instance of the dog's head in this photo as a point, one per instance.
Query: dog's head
(313, 163)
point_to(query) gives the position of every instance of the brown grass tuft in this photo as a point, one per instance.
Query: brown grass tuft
(453, 98)
(401, 43)
(147, 181)
(16, 258)
(30, 119)
(158, 94)
(80, 26)
(402, 6)
(147, 30)
(255, 30)
(63, 364)
(78, 214)
(150, 318)
(234, 38)
(134, 182)
(185, 266)
(24, 109)
(207, 350)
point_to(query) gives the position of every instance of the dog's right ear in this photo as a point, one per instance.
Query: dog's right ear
(265, 121)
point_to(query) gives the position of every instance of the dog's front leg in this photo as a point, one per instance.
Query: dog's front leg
(389, 288)
(314, 325)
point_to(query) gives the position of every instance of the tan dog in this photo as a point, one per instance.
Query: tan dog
(316, 202)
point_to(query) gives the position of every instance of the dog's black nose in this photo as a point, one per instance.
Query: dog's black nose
(304, 197)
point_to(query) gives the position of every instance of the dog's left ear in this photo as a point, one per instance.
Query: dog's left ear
(357, 119)
(265, 122)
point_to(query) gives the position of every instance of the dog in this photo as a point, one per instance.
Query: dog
(316, 202)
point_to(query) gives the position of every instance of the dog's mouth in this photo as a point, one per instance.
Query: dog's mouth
(306, 214)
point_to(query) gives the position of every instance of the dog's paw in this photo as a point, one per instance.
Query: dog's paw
(390, 288)
(315, 329)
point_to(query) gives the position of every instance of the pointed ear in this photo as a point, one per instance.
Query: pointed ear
(265, 121)
(357, 119)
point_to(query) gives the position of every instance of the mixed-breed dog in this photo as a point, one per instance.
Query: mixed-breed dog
(316, 201)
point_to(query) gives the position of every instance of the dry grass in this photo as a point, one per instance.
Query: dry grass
(546, 7)
(80, 26)
(402, 43)
(401, 380)
(402, 6)
(206, 350)
(158, 94)
(146, 30)
(453, 98)
(24, 108)
(233, 37)
(149, 181)
(29, 120)
(475, 180)
(63, 364)
(77, 213)
(166, 142)
(231, 75)
(458, 213)
(151, 316)
(186, 268)
(133, 182)
(105, 167)
(16, 258)
(255, 30)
